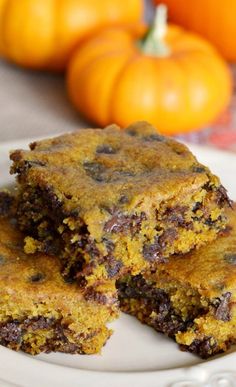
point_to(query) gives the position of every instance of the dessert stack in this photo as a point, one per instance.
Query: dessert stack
(104, 220)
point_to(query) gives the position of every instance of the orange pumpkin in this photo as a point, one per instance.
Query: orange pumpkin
(41, 34)
(173, 79)
(213, 19)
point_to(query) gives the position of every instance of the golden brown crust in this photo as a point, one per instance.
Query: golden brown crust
(110, 163)
(115, 201)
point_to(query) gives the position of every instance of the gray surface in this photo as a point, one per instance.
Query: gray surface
(35, 104)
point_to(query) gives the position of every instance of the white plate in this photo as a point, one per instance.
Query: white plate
(135, 355)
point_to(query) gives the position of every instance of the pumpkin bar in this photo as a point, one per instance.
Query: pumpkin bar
(39, 312)
(112, 201)
(192, 298)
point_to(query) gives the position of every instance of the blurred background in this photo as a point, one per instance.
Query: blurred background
(34, 98)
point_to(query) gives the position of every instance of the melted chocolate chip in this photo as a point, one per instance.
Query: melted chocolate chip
(38, 323)
(197, 206)
(92, 249)
(10, 332)
(123, 199)
(230, 258)
(198, 169)
(91, 295)
(106, 149)
(95, 170)
(164, 319)
(154, 137)
(176, 215)
(136, 287)
(222, 305)
(38, 277)
(113, 267)
(109, 245)
(132, 133)
(151, 252)
(34, 163)
(51, 198)
(73, 274)
(168, 237)
(203, 348)
(209, 222)
(121, 223)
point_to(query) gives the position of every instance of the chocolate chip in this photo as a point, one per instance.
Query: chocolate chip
(92, 249)
(230, 258)
(38, 277)
(34, 163)
(68, 196)
(38, 323)
(10, 332)
(123, 199)
(198, 169)
(91, 295)
(132, 133)
(51, 198)
(209, 222)
(151, 252)
(121, 222)
(106, 149)
(176, 215)
(154, 137)
(168, 237)
(71, 275)
(222, 305)
(95, 170)
(197, 206)
(109, 245)
(113, 267)
(203, 348)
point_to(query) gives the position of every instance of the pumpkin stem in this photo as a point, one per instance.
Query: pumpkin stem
(154, 43)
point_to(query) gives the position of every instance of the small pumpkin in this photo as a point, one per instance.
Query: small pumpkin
(41, 34)
(171, 78)
(213, 19)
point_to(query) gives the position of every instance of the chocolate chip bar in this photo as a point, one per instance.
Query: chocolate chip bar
(114, 201)
(39, 312)
(191, 298)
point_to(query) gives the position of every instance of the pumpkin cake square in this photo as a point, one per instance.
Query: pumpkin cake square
(39, 312)
(111, 201)
(192, 298)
